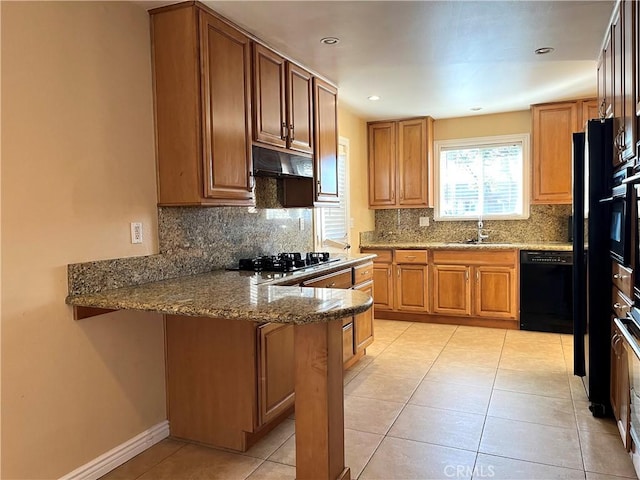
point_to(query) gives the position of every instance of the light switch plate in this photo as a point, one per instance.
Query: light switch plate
(424, 221)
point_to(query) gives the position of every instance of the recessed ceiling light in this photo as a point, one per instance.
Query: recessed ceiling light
(475, 109)
(544, 50)
(373, 98)
(330, 40)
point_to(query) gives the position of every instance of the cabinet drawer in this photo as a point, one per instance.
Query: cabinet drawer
(621, 277)
(341, 279)
(476, 257)
(620, 304)
(362, 273)
(411, 256)
(383, 256)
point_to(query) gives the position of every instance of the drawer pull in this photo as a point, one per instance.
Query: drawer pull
(619, 306)
(618, 276)
(366, 272)
(333, 284)
(410, 256)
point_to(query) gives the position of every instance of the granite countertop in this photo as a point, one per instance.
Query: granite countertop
(560, 246)
(238, 295)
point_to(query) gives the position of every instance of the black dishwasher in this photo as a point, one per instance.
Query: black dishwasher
(546, 291)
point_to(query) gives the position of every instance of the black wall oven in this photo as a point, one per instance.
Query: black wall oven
(620, 233)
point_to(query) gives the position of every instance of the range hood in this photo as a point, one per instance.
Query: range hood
(270, 163)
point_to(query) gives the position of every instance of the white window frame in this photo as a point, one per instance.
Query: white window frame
(523, 138)
(330, 245)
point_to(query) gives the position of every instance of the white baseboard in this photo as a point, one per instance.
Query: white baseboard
(124, 452)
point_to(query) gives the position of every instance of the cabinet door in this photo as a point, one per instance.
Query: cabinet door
(608, 75)
(553, 126)
(269, 97)
(451, 290)
(590, 111)
(383, 286)
(347, 342)
(602, 81)
(411, 288)
(326, 141)
(382, 164)
(412, 162)
(628, 135)
(495, 292)
(363, 322)
(300, 108)
(618, 91)
(624, 398)
(226, 112)
(276, 364)
(616, 338)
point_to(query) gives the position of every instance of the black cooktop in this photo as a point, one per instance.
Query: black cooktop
(284, 262)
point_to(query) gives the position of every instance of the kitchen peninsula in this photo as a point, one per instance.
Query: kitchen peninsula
(223, 302)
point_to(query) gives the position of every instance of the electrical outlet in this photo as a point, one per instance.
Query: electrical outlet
(301, 224)
(424, 221)
(136, 232)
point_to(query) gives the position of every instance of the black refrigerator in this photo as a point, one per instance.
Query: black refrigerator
(592, 171)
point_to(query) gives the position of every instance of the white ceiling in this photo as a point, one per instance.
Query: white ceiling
(437, 58)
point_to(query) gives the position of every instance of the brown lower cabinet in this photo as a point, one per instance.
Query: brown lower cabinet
(229, 382)
(619, 392)
(276, 379)
(474, 287)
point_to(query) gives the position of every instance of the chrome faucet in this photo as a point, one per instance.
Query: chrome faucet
(481, 236)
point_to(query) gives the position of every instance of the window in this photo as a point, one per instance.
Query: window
(482, 178)
(332, 223)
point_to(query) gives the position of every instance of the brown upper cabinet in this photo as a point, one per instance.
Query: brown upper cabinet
(552, 129)
(622, 40)
(283, 105)
(627, 142)
(399, 156)
(325, 100)
(617, 89)
(203, 122)
(605, 73)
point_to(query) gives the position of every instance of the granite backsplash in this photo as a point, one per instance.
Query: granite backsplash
(195, 240)
(546, 223)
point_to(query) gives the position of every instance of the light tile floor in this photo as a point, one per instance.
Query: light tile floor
(437, 402)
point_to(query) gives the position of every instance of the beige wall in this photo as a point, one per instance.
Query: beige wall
(355, 129)
(78, 166)
(482, 125)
